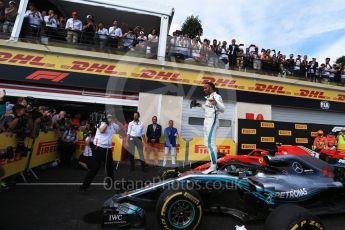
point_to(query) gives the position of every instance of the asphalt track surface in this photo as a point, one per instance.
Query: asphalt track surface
(60, 206)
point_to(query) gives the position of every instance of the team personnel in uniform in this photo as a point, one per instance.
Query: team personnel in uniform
(213, 106)
(135, 135)
(331, 140)
(153, 133)
(320, 142)
(341, 140)
(102, 151)
(170, 136)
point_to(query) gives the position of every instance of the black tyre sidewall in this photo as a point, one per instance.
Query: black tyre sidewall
(168, 197)
(290, 216)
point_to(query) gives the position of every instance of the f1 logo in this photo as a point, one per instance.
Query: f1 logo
(49, 75)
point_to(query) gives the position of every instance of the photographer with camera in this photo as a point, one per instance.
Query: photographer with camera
(103, 150)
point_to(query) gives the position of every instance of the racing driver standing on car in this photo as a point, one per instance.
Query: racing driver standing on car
(213, 106)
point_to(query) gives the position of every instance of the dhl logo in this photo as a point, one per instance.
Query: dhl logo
(248, 131)
(301, 126)
(285, 133)
(46, 147)
(302, 140)
(341, 97)
(202, 149)
(267, 124)
(219, 82)
(248, 146)
(269, 88)
(267, 139)
(312, 93)
(21, 59)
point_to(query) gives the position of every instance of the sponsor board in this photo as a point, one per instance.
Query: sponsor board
(301, 126)
(248, 146)
(57, 68)
(198, 151)
(301, 140)
(313, 134)
(248, 131)
(266, 124)
(284, 133)
(267, 139)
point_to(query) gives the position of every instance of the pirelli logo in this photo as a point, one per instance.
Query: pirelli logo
(47, 147)
(248, 146)
(267, 124)
(313, 134)
(248, 131)
(301, 126)
(267, 139)
(302, 140)
(284, 132)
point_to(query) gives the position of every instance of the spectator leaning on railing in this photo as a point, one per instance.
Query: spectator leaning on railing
(102, 35)
(35, 20)
(51, 24)
(115, 34)
(10, 17)
(73, 26)
(89, 30)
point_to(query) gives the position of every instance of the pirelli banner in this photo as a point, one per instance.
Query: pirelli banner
(254, 134)
(68, 70)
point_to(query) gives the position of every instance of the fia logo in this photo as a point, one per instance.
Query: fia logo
(325, 105)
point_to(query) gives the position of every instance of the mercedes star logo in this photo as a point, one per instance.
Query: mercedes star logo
(297, 167)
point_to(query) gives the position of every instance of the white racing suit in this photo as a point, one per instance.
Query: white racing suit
(211, 123)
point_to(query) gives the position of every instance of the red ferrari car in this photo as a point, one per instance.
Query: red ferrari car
(256, 156)
(332, 156)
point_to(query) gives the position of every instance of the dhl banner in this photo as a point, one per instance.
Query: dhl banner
(45, 149)
(198, 151)
(79, 149)
(46, 64)
(16, 164)
(160, 148)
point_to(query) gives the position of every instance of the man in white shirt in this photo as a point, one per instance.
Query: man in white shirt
(35, 20)
(102, 152)
(135, 135)
(102, 34)
(73, 26)
(51, 23)
(115, 34)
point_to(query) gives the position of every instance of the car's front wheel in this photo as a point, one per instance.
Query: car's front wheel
(292, 217)
(179, 209)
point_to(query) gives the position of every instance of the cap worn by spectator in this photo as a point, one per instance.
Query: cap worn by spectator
(12, 3)
(89, 16)
(141, 33)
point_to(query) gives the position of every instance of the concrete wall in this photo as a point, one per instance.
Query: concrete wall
(163, 106)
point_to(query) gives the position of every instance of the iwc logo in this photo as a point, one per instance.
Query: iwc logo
(325, 105)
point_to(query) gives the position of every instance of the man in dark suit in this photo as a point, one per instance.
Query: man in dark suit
(312, 67)
(153, 133)
(233, 50)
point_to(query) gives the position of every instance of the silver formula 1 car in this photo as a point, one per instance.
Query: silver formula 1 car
(246, 191)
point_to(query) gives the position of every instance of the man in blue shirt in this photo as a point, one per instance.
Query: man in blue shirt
(170, 136)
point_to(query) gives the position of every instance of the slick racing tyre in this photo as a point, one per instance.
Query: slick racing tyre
(179, 209)
(169, 174)
(292, 217)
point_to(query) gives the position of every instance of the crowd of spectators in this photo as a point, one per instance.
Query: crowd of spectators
(235, 56)
(88, 31)
(119, 36)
